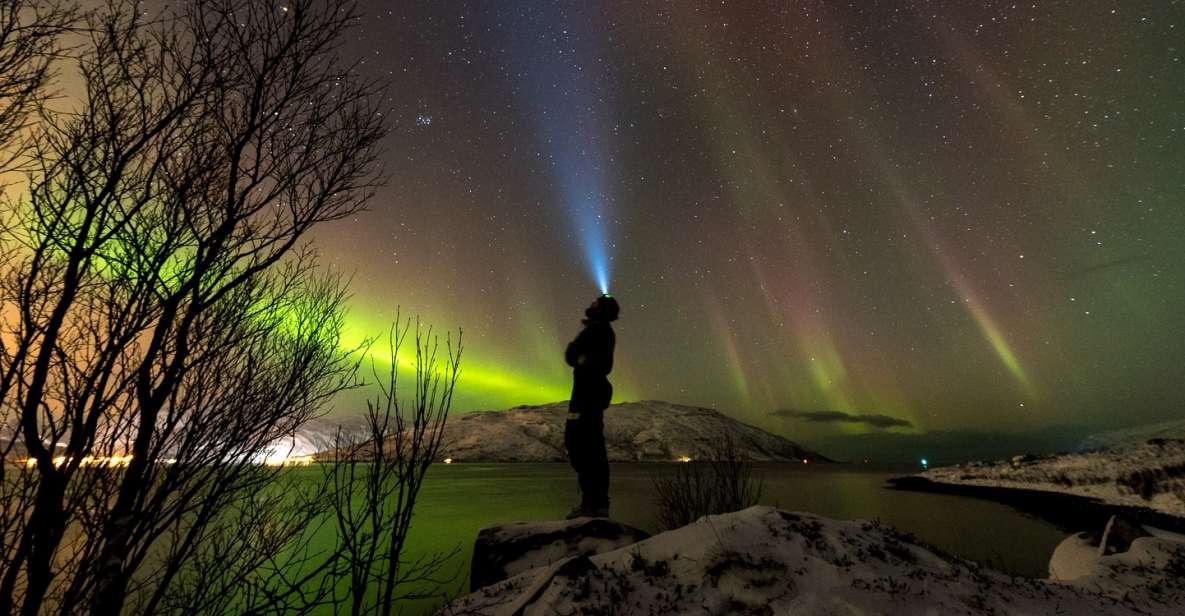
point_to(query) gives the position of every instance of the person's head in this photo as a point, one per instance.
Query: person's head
(603, 308)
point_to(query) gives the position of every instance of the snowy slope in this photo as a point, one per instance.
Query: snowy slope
(634, 431)
(765, 561)
(1149, 474)
(1139, 434)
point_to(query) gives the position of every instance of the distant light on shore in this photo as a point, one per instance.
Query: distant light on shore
(685, 458)
(290, 461)
(448, 460)
(121, 461)
(86, 461)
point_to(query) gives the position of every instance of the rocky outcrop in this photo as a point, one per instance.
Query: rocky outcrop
(507, 550)
(1081, 554)
(1119, 534)
(767, 561)
(634, 432)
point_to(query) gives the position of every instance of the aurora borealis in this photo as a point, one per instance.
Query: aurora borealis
(965, 216)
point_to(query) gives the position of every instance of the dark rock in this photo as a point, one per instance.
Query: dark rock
(1021, 460)
(1119, 535)
(507, 550)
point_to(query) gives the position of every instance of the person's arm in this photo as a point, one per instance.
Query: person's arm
(575, 355)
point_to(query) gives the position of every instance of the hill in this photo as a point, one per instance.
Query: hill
(634, 431)
(1139, 434)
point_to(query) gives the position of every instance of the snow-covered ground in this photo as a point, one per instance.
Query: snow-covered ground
(1144, 474)
(766, 561)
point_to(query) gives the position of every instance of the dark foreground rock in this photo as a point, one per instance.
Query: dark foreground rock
(507, 550)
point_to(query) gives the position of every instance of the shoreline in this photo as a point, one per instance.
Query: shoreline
(1067, 512)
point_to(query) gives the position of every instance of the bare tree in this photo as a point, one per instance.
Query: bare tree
(30, 39)
(375, 478)
(162, 318)
(719, 479)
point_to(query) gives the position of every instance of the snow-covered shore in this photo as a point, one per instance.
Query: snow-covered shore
(766, 561)
(1148, 474)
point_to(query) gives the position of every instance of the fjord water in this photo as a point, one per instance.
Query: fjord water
(457, 500)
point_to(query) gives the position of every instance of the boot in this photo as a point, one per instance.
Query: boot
(587, 512)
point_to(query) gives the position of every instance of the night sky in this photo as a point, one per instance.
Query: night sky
(965, 216)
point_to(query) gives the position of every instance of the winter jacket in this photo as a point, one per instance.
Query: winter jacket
(591, 358)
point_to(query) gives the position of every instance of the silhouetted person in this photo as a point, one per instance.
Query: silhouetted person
(591, 358)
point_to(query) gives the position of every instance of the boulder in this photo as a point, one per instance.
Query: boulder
(507, 550)
(1080, 554)
(1074, 558)
(1018, 461)
(1119, 535)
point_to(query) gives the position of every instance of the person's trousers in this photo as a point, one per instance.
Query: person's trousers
(584, 437)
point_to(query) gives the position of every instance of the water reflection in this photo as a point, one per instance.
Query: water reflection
(460, 499)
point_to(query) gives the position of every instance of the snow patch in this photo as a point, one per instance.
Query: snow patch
(1148, 474)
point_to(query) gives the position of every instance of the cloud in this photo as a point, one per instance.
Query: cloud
(1098, 267)
(876, 421)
